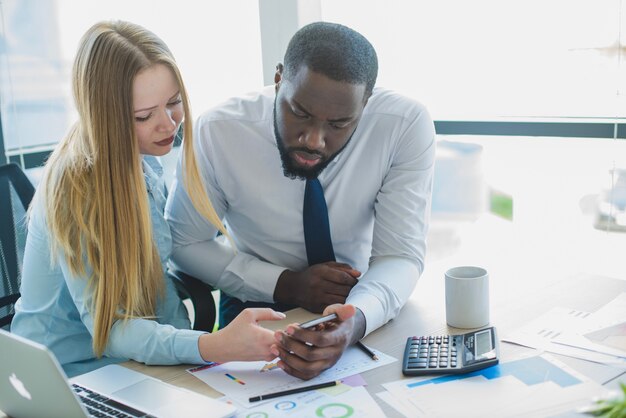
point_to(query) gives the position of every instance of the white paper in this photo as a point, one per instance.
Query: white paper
(354, 402)
(503, 391)
(607, 343)
(242, 380)
(402, 405)
(612, 313)
(555, 325)
(604, 331)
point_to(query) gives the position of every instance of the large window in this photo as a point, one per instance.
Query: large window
(537, 87)
(536, 68)
(217, 46)
(486, 59)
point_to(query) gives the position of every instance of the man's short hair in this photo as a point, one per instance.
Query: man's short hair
(338, 52)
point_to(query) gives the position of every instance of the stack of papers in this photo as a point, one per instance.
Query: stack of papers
(599, 337)
(503, 390)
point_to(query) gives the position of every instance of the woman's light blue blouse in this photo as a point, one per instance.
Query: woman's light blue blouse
(54, 307)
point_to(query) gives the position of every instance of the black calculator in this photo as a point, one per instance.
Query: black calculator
(450, 354)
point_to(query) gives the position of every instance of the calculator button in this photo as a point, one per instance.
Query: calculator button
(453, 364)
(417, 366)
(432, 364)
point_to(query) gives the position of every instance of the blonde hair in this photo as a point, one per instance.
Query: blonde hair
(96, 199)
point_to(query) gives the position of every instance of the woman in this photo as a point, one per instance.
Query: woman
(93, 284)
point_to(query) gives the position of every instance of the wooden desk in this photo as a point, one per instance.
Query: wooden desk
(425, 314)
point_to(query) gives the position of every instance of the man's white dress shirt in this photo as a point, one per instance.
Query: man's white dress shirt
(378, 192)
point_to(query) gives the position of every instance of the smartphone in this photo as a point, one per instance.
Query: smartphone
(317, 321)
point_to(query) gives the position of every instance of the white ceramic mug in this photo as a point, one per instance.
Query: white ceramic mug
(467, 297)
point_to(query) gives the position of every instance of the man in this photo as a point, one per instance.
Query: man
(320, 153)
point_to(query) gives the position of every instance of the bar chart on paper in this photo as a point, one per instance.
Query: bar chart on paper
(599, 336)
(242, 380)
(502, 390)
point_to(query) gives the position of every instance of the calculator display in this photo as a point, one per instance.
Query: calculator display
(483, 342)
(478, 346)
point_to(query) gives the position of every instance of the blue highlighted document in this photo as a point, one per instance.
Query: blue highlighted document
(531, 371)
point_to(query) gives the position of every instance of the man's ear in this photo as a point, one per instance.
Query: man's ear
(278, 75)
(366, 98)
(279, 72)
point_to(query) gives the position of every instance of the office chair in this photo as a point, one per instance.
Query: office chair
(201, 296)
(16, 193)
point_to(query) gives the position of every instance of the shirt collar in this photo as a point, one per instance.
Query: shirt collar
(152, 170)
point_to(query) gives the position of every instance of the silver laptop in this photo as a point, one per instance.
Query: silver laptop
(33, 384)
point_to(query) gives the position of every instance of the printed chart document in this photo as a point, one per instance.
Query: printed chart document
(339, 401)
(558, 331)
(604, 331)
(241, 380)
(503, 390)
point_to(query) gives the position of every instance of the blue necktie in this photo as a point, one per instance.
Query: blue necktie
(319, 247)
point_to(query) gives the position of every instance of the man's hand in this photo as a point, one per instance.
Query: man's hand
(316, 287)
(305, 353)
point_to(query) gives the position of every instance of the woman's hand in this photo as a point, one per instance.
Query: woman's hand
(243, 339)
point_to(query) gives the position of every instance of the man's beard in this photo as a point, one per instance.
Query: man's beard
(293, 171)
